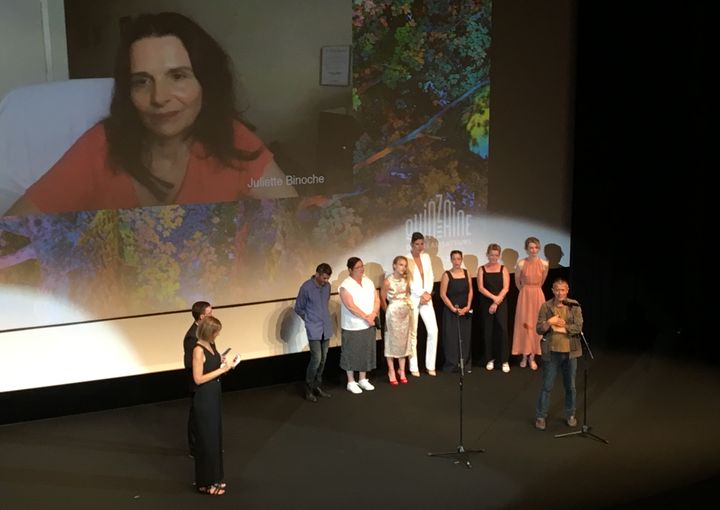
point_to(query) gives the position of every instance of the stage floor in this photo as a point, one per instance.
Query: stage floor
(660, 416)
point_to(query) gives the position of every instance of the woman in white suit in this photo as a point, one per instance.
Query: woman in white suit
(421, 286)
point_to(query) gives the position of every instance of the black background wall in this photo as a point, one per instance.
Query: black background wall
(639, 192)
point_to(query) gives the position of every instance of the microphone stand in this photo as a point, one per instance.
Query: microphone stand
(460, 454)
(585, 428)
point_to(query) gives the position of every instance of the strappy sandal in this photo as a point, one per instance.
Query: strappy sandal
(212, 490)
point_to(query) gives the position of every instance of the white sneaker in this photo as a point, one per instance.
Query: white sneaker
(353, 387)
(506, 367)
(365, 384)
(490, 365)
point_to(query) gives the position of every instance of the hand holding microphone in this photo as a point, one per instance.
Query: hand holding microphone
(232, 363)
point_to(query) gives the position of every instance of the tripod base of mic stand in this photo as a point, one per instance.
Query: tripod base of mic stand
(458, 456)
(584, 432)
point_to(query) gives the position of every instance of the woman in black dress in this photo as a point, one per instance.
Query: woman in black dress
(207, 367)
(493, 283)
(456, 292)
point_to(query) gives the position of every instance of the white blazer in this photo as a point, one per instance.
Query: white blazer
(417, 286)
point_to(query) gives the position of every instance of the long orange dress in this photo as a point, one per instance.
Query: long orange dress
(531, 297)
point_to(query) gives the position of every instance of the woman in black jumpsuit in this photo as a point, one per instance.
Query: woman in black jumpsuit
(493, 283)
(207, 367)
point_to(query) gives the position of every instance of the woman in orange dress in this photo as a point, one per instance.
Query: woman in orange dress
(530, 275)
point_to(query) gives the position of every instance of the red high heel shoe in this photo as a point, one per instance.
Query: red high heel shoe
(393, 382)
(403, 379)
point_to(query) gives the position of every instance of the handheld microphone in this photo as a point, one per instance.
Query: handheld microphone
(570, 302)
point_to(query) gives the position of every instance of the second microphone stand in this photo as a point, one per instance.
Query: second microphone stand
(585, 428)
(460, 454)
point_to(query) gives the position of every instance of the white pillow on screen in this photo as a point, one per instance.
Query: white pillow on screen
(38, 123)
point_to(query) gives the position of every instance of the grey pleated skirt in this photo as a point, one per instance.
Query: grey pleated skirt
(358, 350)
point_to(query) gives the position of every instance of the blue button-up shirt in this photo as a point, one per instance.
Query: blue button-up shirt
(312, 306)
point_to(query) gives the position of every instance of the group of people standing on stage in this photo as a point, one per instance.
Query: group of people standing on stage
(406, 298)
(493, 284)
(548, 328)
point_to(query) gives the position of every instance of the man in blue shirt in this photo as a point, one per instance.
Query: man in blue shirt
(312, 307)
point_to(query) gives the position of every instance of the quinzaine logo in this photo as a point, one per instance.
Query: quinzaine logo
(441, 220)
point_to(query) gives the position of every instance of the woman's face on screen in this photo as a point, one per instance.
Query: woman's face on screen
(163, 86)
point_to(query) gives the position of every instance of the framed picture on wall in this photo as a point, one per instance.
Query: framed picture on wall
(335, 66)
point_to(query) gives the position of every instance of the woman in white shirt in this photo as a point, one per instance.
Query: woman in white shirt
(360, 305)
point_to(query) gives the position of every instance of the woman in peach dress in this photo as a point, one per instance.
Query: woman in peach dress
(530, 275)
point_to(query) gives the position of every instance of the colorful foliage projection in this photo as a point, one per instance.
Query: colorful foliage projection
(421, 102)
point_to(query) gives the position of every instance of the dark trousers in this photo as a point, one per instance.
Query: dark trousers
(456, 329)
(318, 356)
(495, 333)
(208, 420)
(191, 426)
(567, 367)
(192, 429)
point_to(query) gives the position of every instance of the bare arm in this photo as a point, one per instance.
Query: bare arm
(481, 285)
(518, 270)
(376, 306)
(506, 284)
(467, 307)
(198, 361)
(444, 281)
(349, 303)
(384, 293)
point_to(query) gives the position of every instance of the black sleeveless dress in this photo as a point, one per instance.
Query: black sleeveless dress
(495, 326)
(207, 405)
(457, 293)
